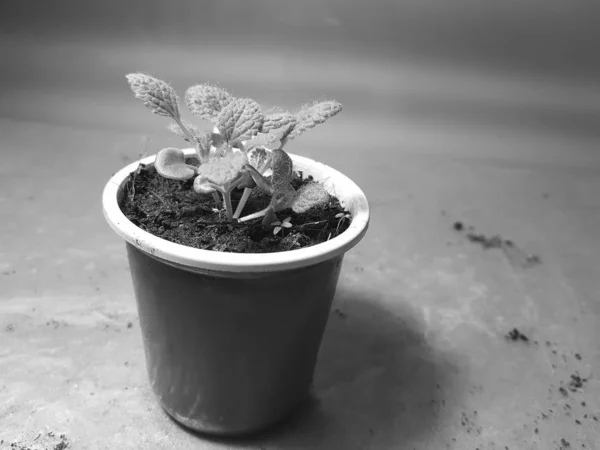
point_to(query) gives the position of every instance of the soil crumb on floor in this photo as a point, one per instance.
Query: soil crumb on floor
(576, 382)
(516, 335)
(43, 441)
(173, 211)
(514, 252)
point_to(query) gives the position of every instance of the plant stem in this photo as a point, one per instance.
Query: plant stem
(228, 207)
(311, 223)
(190, 138)
(217, 199)
(260, 180)
(255, 215)
(242, 203)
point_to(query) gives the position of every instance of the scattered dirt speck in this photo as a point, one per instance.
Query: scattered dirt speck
(564, 443)
(563, 391)
(340, 312)
(512, 251)
(576, 382)
(47, 441)
(485, 241)
(516, 335)
(469, 423)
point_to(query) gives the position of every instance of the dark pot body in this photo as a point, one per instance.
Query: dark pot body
(231, 353)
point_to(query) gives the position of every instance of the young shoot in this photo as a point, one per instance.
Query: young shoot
(341, 218)
(235, 154)
(283, 194)
(221, 175)
(280, 225)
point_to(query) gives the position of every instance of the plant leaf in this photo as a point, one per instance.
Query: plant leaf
(196, 132)
(277, 121)
(170, 163)
(283, 191)
(202, 185)
(222, 170)
(263, 140)
(221, 150)
(260, 159)
(308, 196)
(282, 169)
(240, 119)
(155, 94)
(207, 101)
(274, 127)
(312, 115)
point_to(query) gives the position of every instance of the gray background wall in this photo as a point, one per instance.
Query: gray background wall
(405, 68)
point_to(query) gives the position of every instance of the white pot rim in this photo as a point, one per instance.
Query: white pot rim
(350, 195)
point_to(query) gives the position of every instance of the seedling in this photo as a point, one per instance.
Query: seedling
(279, 225)
(341, 217)
(283, 194)
(235, 155)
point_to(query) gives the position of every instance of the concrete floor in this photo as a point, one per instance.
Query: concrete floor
(414, 355)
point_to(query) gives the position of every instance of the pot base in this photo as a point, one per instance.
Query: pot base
(231, 353)
(207, 429)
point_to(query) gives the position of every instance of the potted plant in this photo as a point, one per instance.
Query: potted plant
(232, 307)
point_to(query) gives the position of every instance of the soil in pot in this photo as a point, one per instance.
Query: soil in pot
(173, 211)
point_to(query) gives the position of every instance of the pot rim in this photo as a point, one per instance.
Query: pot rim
(350, 195)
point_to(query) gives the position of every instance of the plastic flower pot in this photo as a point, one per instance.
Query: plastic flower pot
(231, 340)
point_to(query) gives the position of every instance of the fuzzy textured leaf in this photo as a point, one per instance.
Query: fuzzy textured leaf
(312, 115)
(202, 185)
(283, 191)
(274, 127)
(170, 163)
(196, 132)
(282, 166)
(221, 150)
(240, 120)
(222, 170)
(263, 140)
(277, 121)
(155, 94)
(309, 196)
(207, 101)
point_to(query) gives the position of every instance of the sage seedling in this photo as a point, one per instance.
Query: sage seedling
(236, 154)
